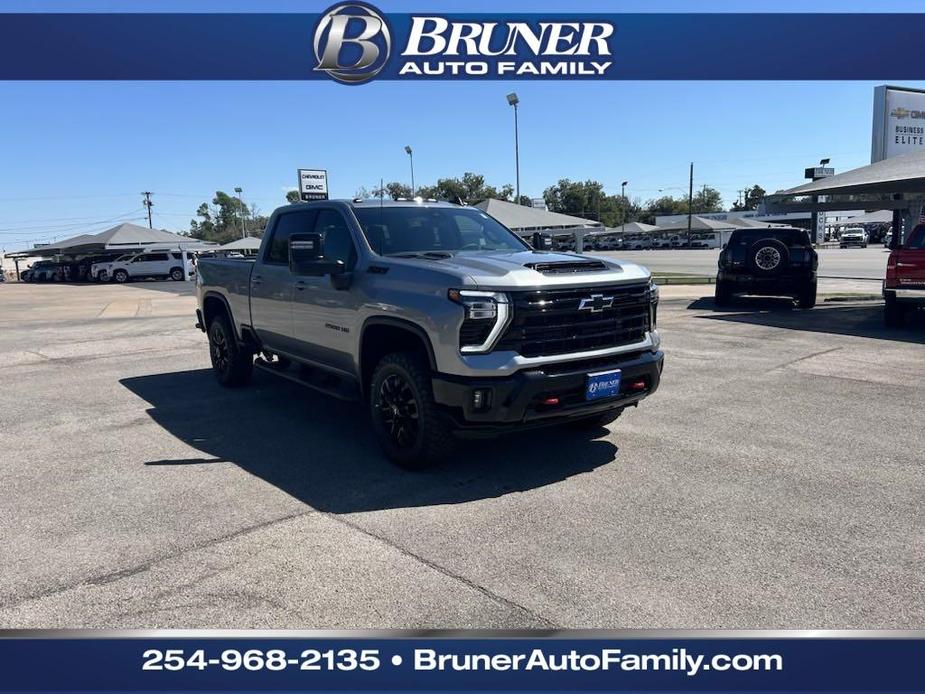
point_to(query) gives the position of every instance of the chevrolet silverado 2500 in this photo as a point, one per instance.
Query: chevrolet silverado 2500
(443, 321)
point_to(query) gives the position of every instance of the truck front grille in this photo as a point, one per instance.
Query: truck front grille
(550, 321)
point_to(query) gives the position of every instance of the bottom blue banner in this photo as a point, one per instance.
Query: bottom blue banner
(147, 661)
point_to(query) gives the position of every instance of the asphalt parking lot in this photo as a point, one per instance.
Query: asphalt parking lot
(775, 481)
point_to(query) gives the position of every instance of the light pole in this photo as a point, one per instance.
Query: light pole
(240, 190)
(410, 154)
(623, 204)
(513, 101)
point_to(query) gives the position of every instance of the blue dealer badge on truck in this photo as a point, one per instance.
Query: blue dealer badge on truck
(605, 384)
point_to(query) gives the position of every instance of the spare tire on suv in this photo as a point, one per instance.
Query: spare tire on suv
(768, 257)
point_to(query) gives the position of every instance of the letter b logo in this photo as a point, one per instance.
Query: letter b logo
(352, 43)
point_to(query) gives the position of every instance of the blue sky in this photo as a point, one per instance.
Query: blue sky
(76, 155)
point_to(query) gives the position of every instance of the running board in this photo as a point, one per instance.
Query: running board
(315, 378)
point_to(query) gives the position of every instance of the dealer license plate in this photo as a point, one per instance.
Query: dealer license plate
(604, 384)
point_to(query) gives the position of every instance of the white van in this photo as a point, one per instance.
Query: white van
(155, 264)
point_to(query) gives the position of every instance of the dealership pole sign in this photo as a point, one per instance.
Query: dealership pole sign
(313, 184)
(899, 122)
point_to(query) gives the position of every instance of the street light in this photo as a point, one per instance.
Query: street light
(239, 190)
(513, 101)
(823, 162)
(623, 204)
(411, 158)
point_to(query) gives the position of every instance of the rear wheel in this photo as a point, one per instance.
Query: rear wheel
(894, 313)
(721, 294)
(405, 417)
(807, 297)
(231, 363)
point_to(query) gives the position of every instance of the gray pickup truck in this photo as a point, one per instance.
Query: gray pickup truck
(443, 321)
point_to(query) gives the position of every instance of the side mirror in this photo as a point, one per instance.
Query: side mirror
(306, 257)
(539, 241)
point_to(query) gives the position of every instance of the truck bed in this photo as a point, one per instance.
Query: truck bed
(229, 277)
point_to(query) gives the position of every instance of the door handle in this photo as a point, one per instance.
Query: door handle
(257, 279)
(300, 285)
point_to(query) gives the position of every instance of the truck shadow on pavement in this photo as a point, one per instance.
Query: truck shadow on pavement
(859, 320)
(322, 451)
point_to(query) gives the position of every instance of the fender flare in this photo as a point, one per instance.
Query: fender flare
(403, 324)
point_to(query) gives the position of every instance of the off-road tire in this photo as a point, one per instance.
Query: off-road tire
(596, 421)
(722, 296)
(807, 297)
(894, 313)
(755, 257)
(120, 276)
(232, 364)
(433, 440)
(176, 274)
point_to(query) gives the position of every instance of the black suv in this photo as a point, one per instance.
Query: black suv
(770, 262)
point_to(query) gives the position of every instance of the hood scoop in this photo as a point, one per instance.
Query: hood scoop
(567, 267)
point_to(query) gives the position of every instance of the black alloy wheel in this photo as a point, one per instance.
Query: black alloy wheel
(400, 411)
(219, 349)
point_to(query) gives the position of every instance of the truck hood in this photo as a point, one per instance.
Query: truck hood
(534, 269)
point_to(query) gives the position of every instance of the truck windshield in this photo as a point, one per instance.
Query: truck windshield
(420, 229)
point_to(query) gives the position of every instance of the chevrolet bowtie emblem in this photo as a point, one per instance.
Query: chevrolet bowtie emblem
(595, 303)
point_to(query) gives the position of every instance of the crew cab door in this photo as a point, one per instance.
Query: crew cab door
(271, 282)
(325, 317)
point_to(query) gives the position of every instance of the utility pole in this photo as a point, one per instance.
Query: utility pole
(239, 190)
(690, 204)
(147, 203)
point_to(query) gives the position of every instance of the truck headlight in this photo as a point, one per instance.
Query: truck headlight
(486, 316)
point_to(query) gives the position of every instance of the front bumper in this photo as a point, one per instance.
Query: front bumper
(516, 401)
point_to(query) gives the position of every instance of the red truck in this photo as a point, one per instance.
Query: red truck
(904, 286)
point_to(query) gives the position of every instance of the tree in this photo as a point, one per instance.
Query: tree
(707, 199)
(471, 188)
(589, 200)
(222, 221)
(393, 190)
(292, 197)
(751, 199)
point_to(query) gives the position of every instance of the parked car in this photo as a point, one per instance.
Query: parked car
(888, 239)
(88, 268)
(769, 262)
(853, 236)
(904, 285)
(441, 319)
(100, 270)
(150, 264)
(44, 271)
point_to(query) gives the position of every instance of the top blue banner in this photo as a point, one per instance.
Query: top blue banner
(355, 43)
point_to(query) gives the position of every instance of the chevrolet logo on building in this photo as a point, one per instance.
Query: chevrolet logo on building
(900, 113)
